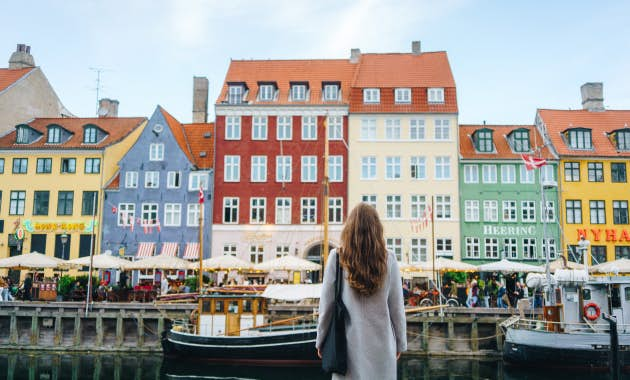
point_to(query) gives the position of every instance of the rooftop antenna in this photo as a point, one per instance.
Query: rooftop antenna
(98, 71)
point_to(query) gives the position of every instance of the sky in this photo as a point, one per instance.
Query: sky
(508, 58)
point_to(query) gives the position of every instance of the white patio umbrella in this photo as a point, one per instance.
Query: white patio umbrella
(507, 266)
(446, 265)
(33, 260)
(405, 267)
(288, 263)
(102, 261)
(223, 262)
(616, 266)
(159, 262)
(560, 264)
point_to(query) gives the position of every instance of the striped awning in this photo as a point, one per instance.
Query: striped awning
(169, 249)
(192, 251)
(145, 249)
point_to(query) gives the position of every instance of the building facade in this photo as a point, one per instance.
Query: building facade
(506, 210)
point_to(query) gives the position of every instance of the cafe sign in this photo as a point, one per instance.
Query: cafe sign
(55, 226)
(509, 230)
(608, 234)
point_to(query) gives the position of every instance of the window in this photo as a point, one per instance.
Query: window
(490, 211)
(572, 171)
(371, 95)
(149, 214)
(508, 174)
(1, 165)
(256, 253)
(491, 248)
(284, 129)
(580, 139)
(235, 94)
(259, 128)
(392, 167)
(598, 256)
(574, 211)
(283, 168)
(229, 249)
(510, 248)
(309, 128)
(444, 247)
(131, 179)
(20, 165)
(549, 245)
(335, 210)
(309, 211)
(257, 208)
(259, 169)
(92, 165)
(471, 174)
(416, 129)
(393, 207)
(418, 206)
(41, 202)
(172, 214)
(369, 199)
(298, 92)
(54, 135)
(173, 180)
(484, 141)
(595, 172)
(335, 128)
(232, 168)
(309, 169)
(368, 167)
(192, 215)
(527, 176)
(472, 248)
(598, 212)
(89, 135)
(528, 211)
(402, 95)
(547, 174)
(623, 139)
(435, 95)
(17, 202)
(197, 181)
(442, 207)
(89, 203)
(283, 210)
(22, 135)
(335, 168)
(44, 165)
(392, 129)
(230, 210)
(156, 152)
(126, 214)
(443, 167)
(618, 171)
(509, 211)
(394, 245)
(521, 141)
(282, 250)
(68, 165)
(489, 173)
(64, 202)
(152, 180)
(418, 250)
(620, 212)
(331, 92)
(529, 248)
(368, 130)
(266, 92)
(418, 167)
(549, 212)
(232, 127)
(471, 210)
(442, 130)
(622, 252)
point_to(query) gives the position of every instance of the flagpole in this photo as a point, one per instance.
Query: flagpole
(200, 238)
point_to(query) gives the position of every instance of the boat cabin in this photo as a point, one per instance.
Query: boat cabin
(230, 314)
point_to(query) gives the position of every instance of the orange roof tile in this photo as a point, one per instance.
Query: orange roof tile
(201, 141)
(601, 124)
(502, 147)
(114, 184)
(117, 128)
(430, 69)
(178, 133)
(10, 76)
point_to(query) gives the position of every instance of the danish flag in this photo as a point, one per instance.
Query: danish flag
(200, 195)
(532, 162)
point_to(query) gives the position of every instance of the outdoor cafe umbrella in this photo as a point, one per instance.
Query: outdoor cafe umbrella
(447, 265)
(616, 266)
(159, 262)
(507, 266)
(33, 260)
(288, 263)
(223, 262)
(561, 263)
(102, 261)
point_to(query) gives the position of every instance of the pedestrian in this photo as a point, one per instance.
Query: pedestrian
(28, 285)
(376, 327)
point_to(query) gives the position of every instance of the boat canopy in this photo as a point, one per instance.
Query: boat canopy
(290, 292)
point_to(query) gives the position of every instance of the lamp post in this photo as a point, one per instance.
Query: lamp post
(64, 240)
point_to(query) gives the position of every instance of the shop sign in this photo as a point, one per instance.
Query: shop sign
(257, 236)
(608, 235)
(54, 226)
(509, 230)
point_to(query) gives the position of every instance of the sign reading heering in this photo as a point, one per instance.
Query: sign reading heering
(509, 230)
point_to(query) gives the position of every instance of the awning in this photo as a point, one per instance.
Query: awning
(169, 249)
(192, 251)
(145, 249)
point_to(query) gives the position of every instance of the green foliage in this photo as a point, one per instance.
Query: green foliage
(64, 284)
(458, 277)
(192, 282)
(83, 280)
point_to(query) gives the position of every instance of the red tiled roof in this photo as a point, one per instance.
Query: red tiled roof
(117, 128)
(10, 76)
(601, 124)
(178, 133)
(201, 139)
(502, 148)
(114, 184)
(430, 69)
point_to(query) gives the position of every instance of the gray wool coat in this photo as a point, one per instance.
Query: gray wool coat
(376, 328)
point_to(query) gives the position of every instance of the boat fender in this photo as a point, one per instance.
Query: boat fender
(591, 316)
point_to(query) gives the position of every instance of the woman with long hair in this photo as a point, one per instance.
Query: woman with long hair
(376, 327)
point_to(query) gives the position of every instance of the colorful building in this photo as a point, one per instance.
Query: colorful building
(593, 145)
(506, 211)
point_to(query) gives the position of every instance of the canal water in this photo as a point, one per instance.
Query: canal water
(18, 365)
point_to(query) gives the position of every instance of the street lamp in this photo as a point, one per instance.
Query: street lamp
(64, 240)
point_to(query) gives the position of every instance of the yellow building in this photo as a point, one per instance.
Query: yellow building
(594, 149)
(52, 171)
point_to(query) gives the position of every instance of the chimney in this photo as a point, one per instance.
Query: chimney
(593, 96)
(355, 55)
(21, 58)
(107, 108)
(200, 100)
(415, 47)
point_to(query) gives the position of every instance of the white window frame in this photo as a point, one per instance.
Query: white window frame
(172, 214)
(509, 208)
(508, 174)
(417, 130)
(527, 176)
(282, 250)
(471, 173)
(192, 215)
(126, 214)
(335, 210)
(149, 209)
(371, 95)
(442, 131)
(156, 152)
(232, 168)
(331, 92)
(283, 210)
(232, 127)
(392, 130)
(444, 247)
(529, 248)
(230, 204)
(284, 128)
(368, 130)
(528, 211)
(235, 94)
(131, 180)
(283, 168)
(393, 206)
(369, 199)
(489, 173)
(418, 168)
(257, 210)
(443, 207)
(196, 179)
(394, 245)
(308, 210)
(491, 248)
(173, 180)
(473, 248)
(256, 253)
(259, 127)
(308, 169)
(471, 210)
(151, 179)
(230, 249)
(417, 251)
(258, 169)
(402, 95)
(309, 127)
(418, 203)
(548, 214)
(393, 168)
(490, 211)
(266, 92)
(298, 92)
(368, 167)
(549, 244)
(435, 95)
(335, 168)
(510, 248)
(335, 128)
(443, 167)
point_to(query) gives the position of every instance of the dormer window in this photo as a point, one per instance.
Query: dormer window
(54, 135)
(266, 92)
(235, 94)
(402, 95)
(90, 135)
(298, 92)
(580, 138)
(520, 141)
(623, 139)
(331, 92)
(21, 135)
(371, 95)
(435, 95)
(484, 141)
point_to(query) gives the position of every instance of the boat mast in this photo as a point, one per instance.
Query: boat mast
(550, 287)
(200, 275)
(325, 200)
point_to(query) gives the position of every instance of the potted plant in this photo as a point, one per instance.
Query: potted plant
(64, 285)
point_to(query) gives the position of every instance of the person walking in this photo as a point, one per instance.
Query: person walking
(376, 326)
(28, 285)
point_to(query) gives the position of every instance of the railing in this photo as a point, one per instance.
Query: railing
(519, 323)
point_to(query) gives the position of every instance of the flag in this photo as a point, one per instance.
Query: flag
(200, 195)
(423, 222)
(532, 162)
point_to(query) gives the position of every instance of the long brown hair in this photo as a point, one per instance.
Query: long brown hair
(363, 253)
